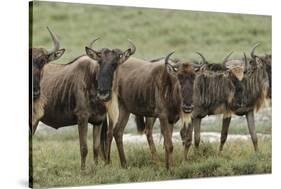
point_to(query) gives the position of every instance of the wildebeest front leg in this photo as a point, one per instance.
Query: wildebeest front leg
(96, 141)
(252, 129)
(167, 133)
(109, 140)
(197, 130)
(188, 140)
(83, 130)
(148, 131)
(118, 135)
(224, 130)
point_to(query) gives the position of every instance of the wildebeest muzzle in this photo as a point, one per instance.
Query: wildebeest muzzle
(104, 94)
(187, 108)
(36, 93)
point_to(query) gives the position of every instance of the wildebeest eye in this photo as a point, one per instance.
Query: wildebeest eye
(175, 69)
(121, 55)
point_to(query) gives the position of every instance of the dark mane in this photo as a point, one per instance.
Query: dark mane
(212, 89)
(254, 86)
(216, 67)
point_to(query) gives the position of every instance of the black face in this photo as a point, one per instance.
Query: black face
(108, 60)
(108, 64)
(39, 58)
(186, 79)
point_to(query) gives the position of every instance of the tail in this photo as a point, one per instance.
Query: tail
(103, 138)
(140, 123)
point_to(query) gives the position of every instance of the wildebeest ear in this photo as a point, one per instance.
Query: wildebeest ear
(258, 61)
(56, 55)
(95, 55)
(172, 69)
(124, 56)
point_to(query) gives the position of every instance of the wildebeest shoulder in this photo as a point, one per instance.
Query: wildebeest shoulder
(64, 84)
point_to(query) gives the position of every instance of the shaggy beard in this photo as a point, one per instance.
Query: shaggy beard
(185, 118)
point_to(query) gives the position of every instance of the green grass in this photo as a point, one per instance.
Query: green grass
(155, 32)
(57, 162)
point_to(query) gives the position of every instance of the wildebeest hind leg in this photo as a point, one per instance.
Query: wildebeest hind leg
(148, 131)
(252, 129)
(83, 130)
(96, 141)
(118, 135)
(224, 131)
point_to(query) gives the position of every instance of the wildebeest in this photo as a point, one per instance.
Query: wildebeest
(153, 90)
(216, 90)
(81, 92)
(256, 88)
(146, 125)
(40, 57)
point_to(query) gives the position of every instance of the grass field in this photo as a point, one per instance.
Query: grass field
(155, 33)
(57, 162)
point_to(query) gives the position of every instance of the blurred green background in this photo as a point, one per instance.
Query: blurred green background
(155, 32)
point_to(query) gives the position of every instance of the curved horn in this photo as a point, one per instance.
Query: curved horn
(168, 56)
(253, 50)
(246, 61)
(203, 58)
(55, 42)
(133, 47)
(91, 44)
(227, 57)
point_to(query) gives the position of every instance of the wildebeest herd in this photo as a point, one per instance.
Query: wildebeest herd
(104, 86)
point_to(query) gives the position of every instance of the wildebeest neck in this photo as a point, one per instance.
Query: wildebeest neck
(255, 88)
(170, 91)
(212, 90)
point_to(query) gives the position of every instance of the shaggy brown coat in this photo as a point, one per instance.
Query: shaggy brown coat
(151, 90)
(256, 88)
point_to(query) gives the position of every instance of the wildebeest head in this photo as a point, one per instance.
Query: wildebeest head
(205, 65)
(40, 57)
(262, 63)
(108, 61)
(185, 75)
